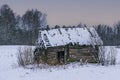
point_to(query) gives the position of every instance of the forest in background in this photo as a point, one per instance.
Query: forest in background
(24, 29)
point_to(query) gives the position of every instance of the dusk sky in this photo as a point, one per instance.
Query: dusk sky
(71, 12)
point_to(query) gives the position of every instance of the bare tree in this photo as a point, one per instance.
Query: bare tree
(25, 56)
(107, 55)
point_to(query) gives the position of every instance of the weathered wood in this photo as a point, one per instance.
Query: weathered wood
(71, 53)
(65, 49)
(46, 55)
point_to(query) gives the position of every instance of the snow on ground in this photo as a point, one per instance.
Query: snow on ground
(118, 55)
(9, 69)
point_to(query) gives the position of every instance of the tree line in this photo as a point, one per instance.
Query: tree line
(110, 35)
(23, 30)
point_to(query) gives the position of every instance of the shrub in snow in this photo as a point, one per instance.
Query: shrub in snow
(107, 55)
(101, 55)
(25, 56)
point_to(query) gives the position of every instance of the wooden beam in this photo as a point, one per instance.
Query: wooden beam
(65, 55)
(46, 56)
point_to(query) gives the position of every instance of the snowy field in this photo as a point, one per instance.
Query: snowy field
(9, 69)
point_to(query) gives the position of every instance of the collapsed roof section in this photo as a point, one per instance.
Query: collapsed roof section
(64, 36)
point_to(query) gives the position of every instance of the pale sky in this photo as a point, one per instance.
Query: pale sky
(71, 12)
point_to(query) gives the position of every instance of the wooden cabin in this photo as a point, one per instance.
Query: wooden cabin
(65, 45)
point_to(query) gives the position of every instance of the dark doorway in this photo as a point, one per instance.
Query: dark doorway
(60, 56)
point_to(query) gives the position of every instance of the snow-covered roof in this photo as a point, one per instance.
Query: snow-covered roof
(64, 36)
